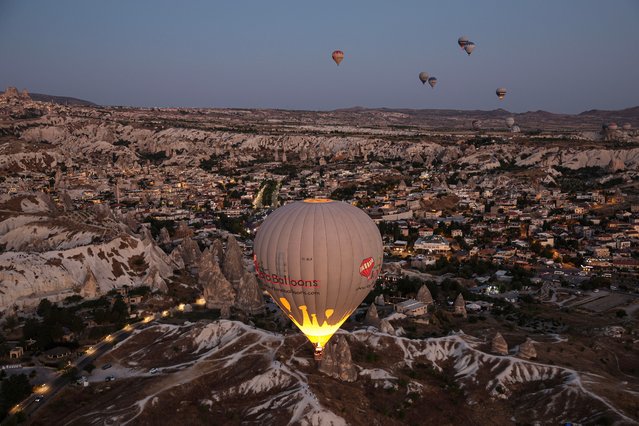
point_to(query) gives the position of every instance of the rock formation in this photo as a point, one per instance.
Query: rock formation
(155, 282)
(424, 296)
(216, 289)
(337, 361)
(372, 319)
(176, 258)
(90, 288)
(460, 306)
(164, 237)
(386, 327)
(249, 296)
(499, 345)
(379, 300)
(233, 265)
(190, 251)
(527, 350)
(183, 230)
(217, 249)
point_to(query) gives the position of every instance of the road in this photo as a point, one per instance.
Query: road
(29, 405)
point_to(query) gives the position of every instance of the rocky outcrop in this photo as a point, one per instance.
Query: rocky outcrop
(155, 282)
(216, 289)
(249, 296)
(527, 350)
(379, 300)
(233, 265)
(176, 258)
(372, 319)
(190, 252)
(386, 327)
(498, 345)
(424, 296)
(183, 231)
(90, 288)
(217, 249)
(459, 307)
(337, 361)
(164, 237)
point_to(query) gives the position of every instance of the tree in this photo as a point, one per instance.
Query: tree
(14, 389)
(44, 308)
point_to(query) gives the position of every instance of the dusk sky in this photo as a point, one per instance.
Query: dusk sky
(560, 56)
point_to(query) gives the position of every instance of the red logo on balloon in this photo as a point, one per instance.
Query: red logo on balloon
(366, 267)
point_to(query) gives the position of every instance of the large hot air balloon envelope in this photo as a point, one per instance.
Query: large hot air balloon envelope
(501, 93)
(338, 56)
(469, 47)
(432, 81)
(318, 259)
(461, 41)
(423, 77)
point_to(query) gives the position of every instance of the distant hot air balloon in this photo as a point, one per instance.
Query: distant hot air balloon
(423, 77)
(432, 81)
(469, 47)
(612, 126)
(515, 129)
(510, 121)
(626, 126)
(476, 124)
(461, 41)
(338, 56)
(318, 259)
(501, 93)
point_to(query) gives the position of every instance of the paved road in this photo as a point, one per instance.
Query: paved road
(29, 406)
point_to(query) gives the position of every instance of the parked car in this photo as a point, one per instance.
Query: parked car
(153, 370)
(109, 379)
(106, 366)
(39, 398)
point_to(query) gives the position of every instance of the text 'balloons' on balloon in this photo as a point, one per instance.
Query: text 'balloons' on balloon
(469, 47)
(338, 56)
(432, 81)
(501, 93)
(318, 259)
(461, 41)
(423, 77)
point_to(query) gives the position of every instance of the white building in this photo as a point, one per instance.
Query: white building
(411, 308)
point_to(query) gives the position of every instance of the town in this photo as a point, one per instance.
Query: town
(523, 233)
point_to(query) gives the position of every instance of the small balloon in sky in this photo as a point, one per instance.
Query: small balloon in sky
(432, 81)
(469, 47)
(423, 77)
(501, 93)
(462, 41)
(338, 56)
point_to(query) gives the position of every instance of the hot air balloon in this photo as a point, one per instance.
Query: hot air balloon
(476, 124)
(462, 41)
(515, 129)
(423, 77)
(338, 56)
(501, 93)
(626, 126)
(432, 81)
(469, 47)
(510, 121)
(318, 259)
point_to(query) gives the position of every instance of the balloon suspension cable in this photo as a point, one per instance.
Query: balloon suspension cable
(319, 352)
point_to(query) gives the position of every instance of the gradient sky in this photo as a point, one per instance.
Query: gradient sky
(560, 56)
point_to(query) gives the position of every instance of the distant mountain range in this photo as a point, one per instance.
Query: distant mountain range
(62, 100)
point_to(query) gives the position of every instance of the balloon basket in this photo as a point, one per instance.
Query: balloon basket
(318, 354)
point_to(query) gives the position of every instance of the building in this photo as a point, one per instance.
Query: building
(16, 353)
(436, 244)
(411, 308)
